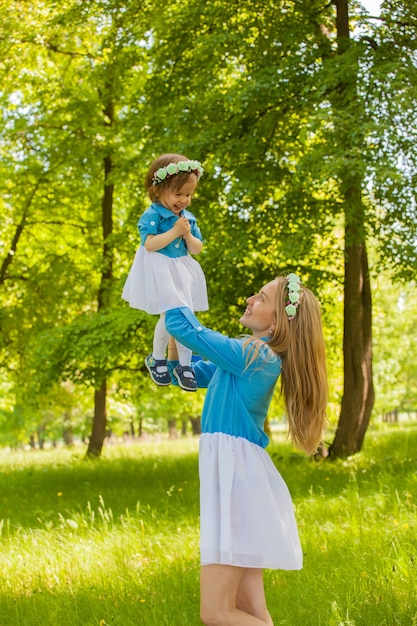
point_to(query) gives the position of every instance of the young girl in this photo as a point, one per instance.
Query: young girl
(247, 521)
(163, 274)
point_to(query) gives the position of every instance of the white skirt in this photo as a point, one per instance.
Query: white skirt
(157, 283)
(246, 512)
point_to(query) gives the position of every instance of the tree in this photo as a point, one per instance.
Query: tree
(300, 143)
(358, 395)
(69, 126)
(301, 115)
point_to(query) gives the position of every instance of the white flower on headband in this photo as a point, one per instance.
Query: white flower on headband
(171, 169)
(294, 290)
(181, 167)
(162, 173)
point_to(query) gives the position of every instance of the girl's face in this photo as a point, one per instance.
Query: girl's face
(178, 199)
(260, 314)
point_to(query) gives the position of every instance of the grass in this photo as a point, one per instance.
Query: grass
(115, 542)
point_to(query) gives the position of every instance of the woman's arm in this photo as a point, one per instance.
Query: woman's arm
(222, 351)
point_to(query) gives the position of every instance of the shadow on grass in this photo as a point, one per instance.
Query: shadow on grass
(38, 493)
(387, 460)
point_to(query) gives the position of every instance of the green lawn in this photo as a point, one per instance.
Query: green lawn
(115, 542)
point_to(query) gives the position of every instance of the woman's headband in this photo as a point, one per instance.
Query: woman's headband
(294, 291)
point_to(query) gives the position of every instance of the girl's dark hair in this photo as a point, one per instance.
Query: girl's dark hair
(173, 183)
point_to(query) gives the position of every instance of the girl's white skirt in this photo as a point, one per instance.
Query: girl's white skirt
(246, 513)
(157, 283)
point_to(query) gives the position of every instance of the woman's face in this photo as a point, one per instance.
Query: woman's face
(260, 315)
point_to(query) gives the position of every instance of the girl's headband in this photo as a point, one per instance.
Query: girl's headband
(182, 167)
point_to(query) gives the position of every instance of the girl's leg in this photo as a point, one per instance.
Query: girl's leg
(232, 596)
(184, 354)
(156, 362)
(160, 339)
(184, 372)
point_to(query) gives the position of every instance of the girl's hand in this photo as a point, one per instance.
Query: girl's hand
(181, 227)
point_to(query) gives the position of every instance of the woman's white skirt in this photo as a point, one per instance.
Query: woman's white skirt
(157, 283)
(246, 512)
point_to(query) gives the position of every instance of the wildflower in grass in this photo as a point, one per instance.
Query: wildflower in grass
(72, 523)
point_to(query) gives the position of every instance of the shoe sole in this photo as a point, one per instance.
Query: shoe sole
(152, 378)
(181, 385)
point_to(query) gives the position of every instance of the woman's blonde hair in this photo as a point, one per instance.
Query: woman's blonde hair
(300, 344)
(173, 183)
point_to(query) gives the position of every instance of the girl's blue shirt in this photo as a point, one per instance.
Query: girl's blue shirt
(238, 396)
(158, 219)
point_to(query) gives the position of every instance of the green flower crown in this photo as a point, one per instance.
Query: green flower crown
(182, 167)
(294, 291)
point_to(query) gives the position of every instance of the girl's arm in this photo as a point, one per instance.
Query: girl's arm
(194, 245)
(181, 228)
(193, 239)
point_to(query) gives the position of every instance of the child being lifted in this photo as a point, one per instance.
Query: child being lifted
(164, 275)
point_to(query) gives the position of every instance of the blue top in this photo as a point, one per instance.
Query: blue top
(238, 397)
(158, 219)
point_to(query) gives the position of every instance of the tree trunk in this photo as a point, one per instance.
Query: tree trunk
(99, 422)
(17, 234)
(68, 434)
(358, 393)
(99, 419)
(172, 428)
(195, 425)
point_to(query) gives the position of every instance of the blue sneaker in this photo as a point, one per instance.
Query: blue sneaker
(158, 370)
(185, 377)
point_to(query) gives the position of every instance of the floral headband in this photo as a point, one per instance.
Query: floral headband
(182, 167)
(294, 291)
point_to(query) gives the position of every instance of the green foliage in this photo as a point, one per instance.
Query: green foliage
(395, 347)
(245, 87)
(91, 347)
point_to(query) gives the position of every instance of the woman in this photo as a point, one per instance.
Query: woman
(246, 518)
